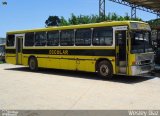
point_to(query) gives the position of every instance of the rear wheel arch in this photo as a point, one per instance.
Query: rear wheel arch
(33, 63)
(30, 58)
(101, 59)
(104, 68)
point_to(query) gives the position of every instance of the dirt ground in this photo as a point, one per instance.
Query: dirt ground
(68, 90)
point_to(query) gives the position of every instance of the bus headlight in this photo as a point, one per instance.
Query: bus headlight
(136, 63)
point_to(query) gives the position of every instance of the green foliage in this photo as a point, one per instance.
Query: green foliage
(63, 22)
(53, 21)
(154, 23)
(85, 19)
(4, 3)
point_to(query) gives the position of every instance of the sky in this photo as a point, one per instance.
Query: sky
(30, 14)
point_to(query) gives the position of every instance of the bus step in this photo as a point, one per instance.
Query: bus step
(122, 70)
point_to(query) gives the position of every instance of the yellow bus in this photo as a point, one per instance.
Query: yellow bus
(108, 48)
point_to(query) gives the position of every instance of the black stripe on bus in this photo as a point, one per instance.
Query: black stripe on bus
(82, 52)
(11, 51)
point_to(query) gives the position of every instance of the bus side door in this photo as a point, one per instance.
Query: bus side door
(121, 41)
(19, 48)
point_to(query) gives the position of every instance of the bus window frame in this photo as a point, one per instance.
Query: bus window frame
(60, 34)
(74, 38)
(11, 47)
(45, 37)
(91, 32)
(25, 39)
(58, 38)
(113, 37)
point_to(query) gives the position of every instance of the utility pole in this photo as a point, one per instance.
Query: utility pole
(102, 9)
(133, 12)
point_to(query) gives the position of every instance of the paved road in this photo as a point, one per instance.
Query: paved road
(58, 89)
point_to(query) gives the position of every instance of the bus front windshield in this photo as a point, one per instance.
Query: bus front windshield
(141, 42)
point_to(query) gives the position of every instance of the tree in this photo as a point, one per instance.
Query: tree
(85, 19)
(63, 22)
(154, 23)
(73, 20)
(4, 3)
(53, 21)
(127, 17)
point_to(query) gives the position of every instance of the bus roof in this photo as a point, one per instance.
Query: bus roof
(101, 24)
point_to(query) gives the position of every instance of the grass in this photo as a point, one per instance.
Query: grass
(1, 62)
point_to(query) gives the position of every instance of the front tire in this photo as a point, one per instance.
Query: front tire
(33, 64)
(105, 69)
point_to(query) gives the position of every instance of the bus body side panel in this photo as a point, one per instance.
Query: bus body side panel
(88, 63)
(67, 62)
(69, 58)
(25, 59)
(10, 56)
(53, 62)
(46, 61)
(85, 63)
(79, 63)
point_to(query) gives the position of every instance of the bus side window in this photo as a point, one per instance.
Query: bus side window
(29, 39)
(102, 36)
(67, 38)
(40, 39)
(83, 37)
(10, 40)
(53, 38)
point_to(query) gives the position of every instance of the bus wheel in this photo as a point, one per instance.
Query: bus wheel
(105, 69)
(33, 65)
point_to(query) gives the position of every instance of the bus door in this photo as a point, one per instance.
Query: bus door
(19, 47)
(121, 49)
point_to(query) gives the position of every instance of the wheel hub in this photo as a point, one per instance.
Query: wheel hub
(32, 64)
(104, 70)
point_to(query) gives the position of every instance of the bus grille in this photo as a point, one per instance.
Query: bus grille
(145, 68)
(145, 62)
(145, 57)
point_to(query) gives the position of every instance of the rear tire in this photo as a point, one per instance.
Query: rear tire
(105, 69)
(33, 64)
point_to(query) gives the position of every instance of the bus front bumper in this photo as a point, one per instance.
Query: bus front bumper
(142, 69)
